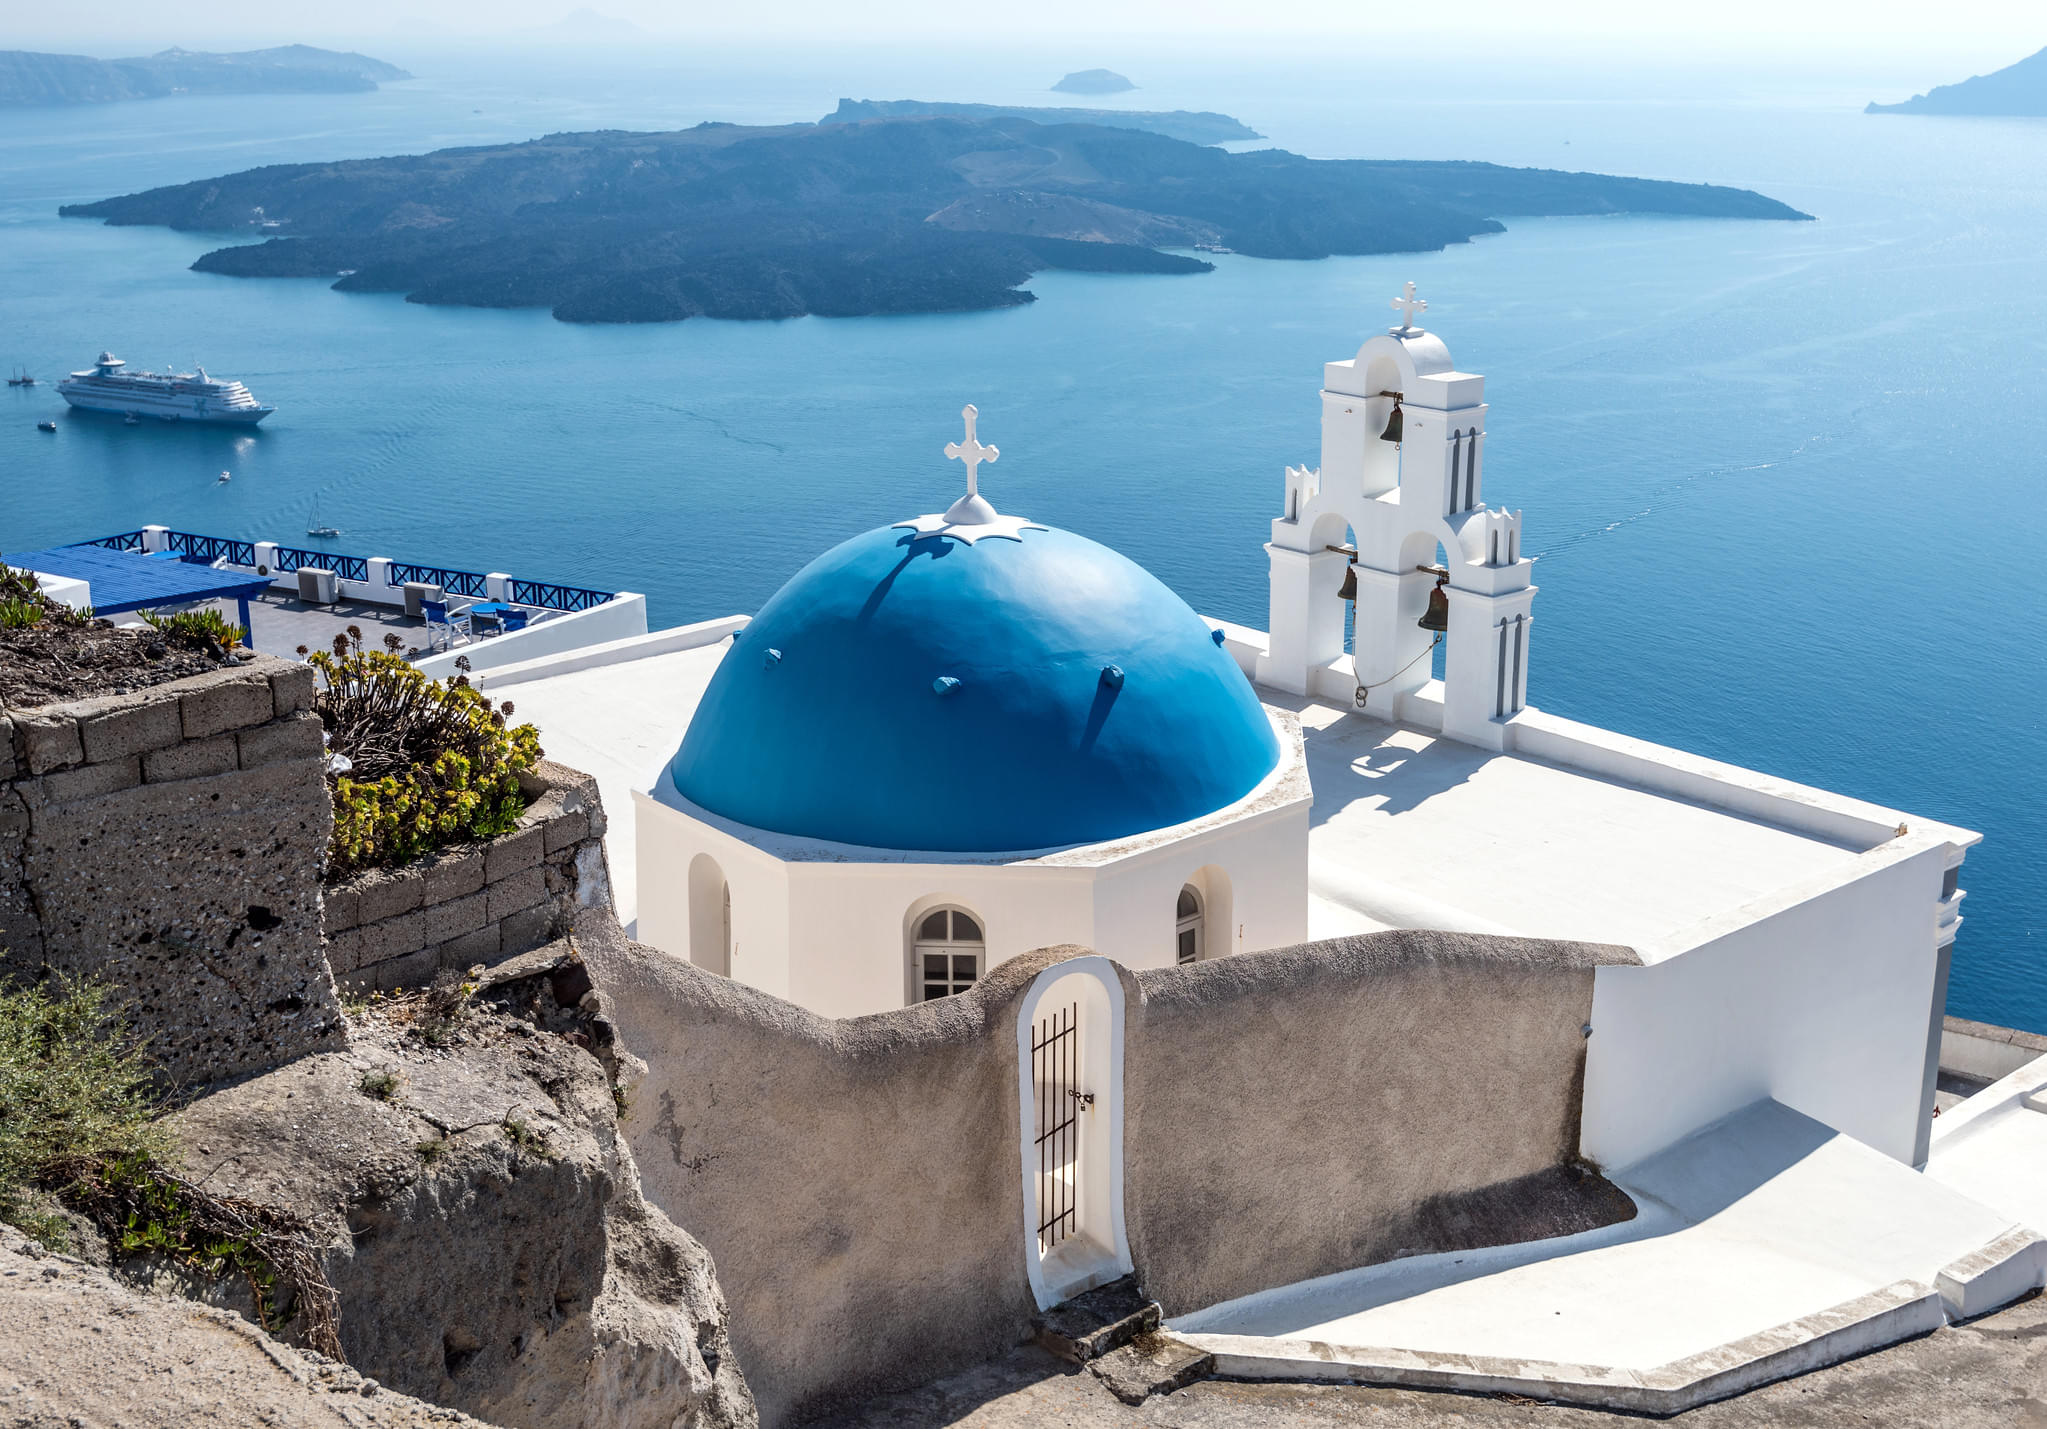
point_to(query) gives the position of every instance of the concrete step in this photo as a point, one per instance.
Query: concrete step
(1103, 1319)
(1154, 1362)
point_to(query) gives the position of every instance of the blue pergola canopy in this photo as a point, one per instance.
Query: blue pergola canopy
(126, 580)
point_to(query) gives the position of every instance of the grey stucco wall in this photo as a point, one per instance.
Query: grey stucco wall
(171, 841)
(857, 1182)
(1292, 1113)
(1286, 1114)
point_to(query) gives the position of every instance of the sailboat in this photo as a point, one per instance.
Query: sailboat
(317, 528)
(21, 378)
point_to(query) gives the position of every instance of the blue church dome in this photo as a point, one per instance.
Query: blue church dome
(921, 691)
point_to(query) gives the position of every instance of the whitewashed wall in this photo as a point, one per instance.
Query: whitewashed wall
(834, 936)
(620, 618)
(1821, 998)
(1253, 876)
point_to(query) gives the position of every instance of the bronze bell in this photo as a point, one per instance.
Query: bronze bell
(1349, 589)
(1392, 432)
(1437, 616)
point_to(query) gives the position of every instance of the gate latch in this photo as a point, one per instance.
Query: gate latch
(1084, 1098)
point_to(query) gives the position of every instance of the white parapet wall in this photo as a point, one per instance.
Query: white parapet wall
(65, 590)
(622, 651)
(1985, 1052)
(623, 617)
(1818, 997)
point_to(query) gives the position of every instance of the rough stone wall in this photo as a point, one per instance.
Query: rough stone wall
(391, 928)
(78, 1347)
(482, 1214)
(171, 841)
(1286, 1114)
(1292, 1113)
(856, 1181)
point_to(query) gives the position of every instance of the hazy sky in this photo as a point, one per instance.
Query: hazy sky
(1772, 34)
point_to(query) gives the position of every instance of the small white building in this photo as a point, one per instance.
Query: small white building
(957, 739)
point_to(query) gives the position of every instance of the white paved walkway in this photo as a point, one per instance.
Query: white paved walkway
(1760, 1220)
(622, 724)
(1993, 1147)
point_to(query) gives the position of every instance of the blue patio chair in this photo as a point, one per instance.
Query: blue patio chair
(510, 620)
(445, 624)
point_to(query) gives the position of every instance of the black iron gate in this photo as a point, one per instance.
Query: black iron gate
(1055, 1068)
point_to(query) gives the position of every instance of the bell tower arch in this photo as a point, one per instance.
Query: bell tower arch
(1403, 466)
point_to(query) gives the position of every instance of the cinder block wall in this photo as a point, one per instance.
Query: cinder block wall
(390, 928)
(171, 841)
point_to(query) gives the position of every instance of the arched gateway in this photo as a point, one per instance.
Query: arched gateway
(1069, 1054)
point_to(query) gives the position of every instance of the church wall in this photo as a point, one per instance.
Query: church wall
(1266, 863)
(849, 924)
(834, 936)
(1819, 997)
(665, 845)
(1302, 1111)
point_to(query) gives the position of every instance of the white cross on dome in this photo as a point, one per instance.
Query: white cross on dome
(972, 517)
(971, 451)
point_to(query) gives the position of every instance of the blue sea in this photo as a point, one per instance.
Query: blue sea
(1784, 479)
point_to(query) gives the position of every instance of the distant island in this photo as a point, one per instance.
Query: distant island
(923, 215)
(1196, 126)
(1093, 81)
(28, 78)
(585, 26)
(2018, 90)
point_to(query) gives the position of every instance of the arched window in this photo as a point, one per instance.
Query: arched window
(946, 953)
(710, 916)
(1187, 926)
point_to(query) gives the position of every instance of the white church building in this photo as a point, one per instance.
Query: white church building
(953, 740)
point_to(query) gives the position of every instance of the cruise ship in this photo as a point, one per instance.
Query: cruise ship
(168, 396)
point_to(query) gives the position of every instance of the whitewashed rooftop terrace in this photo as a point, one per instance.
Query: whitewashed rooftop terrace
(1409, 829)
(1412, 829)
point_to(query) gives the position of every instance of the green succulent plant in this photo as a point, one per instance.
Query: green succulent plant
(422, 763)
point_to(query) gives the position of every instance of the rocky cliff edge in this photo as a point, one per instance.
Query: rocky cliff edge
(479, 1210)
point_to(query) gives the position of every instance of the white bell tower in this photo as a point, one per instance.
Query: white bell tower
(1408, 503)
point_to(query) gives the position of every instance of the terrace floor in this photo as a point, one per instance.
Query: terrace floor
(1410, 829)
(281, 623)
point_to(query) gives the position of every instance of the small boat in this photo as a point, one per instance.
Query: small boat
(21, 379)
(131, 420)
(318, 527)
(46, 426)
(224, 477)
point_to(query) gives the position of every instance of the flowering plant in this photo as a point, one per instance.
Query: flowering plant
(413, 763)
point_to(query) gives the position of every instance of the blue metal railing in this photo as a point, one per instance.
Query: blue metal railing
(348, 568)
(469, 584)
(205, 550)
(556, 597)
